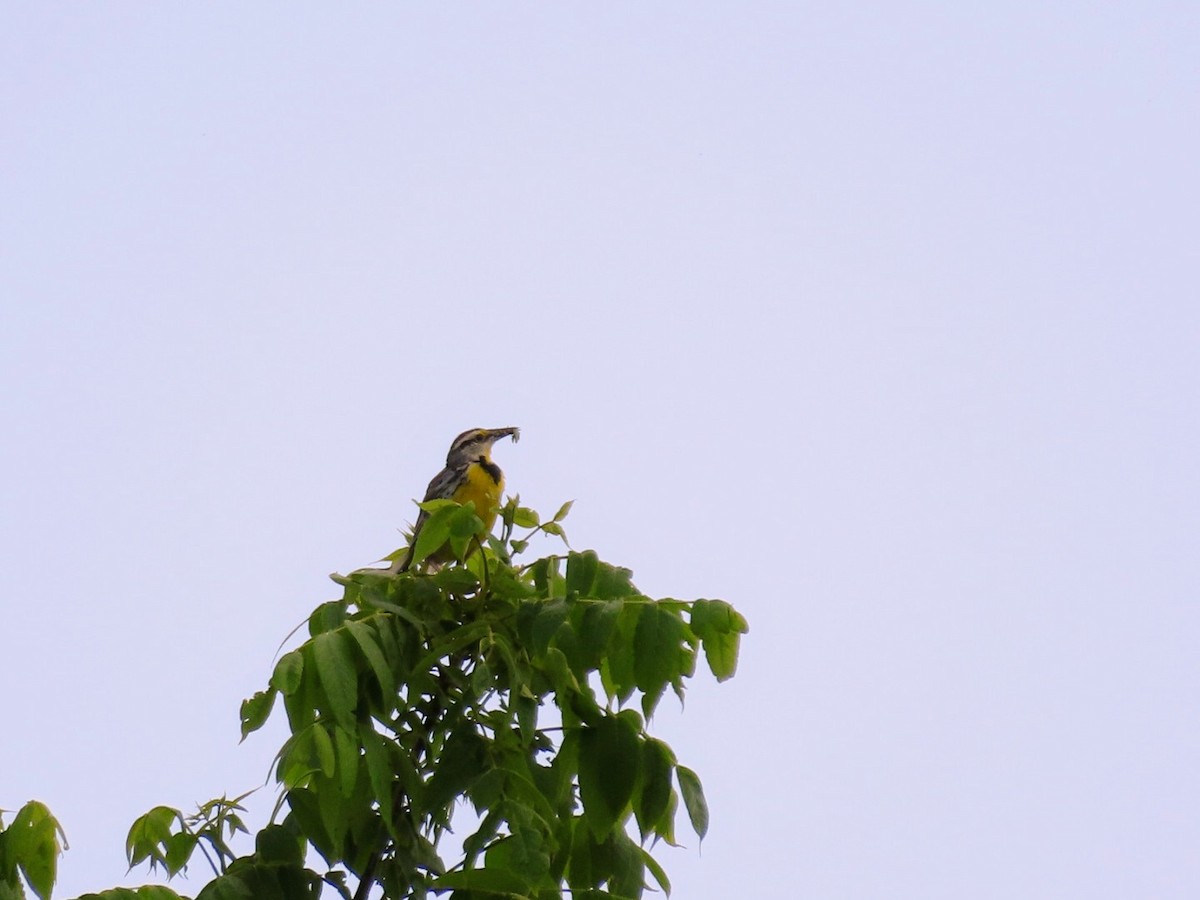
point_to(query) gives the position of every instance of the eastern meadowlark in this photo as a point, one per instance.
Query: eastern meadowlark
(471, 475)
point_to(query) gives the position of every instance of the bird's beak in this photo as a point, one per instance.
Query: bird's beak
(497, 433)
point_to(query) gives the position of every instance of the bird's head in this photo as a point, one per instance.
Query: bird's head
(477, 443)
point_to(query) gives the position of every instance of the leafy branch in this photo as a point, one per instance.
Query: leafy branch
(521, 690)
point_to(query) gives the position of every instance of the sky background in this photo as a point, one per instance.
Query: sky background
(880, 321)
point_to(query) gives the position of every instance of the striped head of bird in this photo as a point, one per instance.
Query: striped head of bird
(477, 443)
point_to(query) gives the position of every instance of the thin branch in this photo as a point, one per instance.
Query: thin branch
(367, 881)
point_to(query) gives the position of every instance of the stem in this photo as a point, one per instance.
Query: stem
(216, 871)
(483, 559)
(367, 881)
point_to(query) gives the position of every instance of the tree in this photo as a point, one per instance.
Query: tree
(523, 689)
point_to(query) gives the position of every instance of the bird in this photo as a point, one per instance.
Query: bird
(470, 475)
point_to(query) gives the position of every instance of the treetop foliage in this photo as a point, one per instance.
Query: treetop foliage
(522, 690)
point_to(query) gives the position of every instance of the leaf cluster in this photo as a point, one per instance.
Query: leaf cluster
(164, 836)
(519, 690)
(29, 851)
(506, 686)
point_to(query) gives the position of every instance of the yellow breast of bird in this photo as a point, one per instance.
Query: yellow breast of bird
(484, 487)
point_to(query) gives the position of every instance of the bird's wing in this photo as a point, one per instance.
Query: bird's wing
(443, 485)
(441, 488)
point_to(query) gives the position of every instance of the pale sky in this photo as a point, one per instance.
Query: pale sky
(880, 322)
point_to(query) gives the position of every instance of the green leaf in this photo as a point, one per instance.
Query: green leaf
(665, 828)
(693, 799)
(369, 582)
(617, 667)
(465, 526)
(612, 583)
(513, 672)
(474, 844)
(179, 850)
(336, 814)
(628, 877)
(323, 744)
(505, 585)
(400, 611)
(301, 706)
(527, 718)
(549, 619)
(654, 790)
(304, 806)
(436, 530)
(348, 759)
(451, 643)
(609, 762)
(364, 636)
(295, 758)
(148, 832)
(249, 878)
(255, 710)
(524, 853)
(457, 580)
(596, 628)
(581, 867)
(462, 761)
(234, 886)
(547, 581)
(555, 529)
(489, 881)
(482, 679)
(657, 643)
(563, 510)
(603, 857)
(557, 781)
(326, 617)
(487, 790)
(379, 772)
(523, 517)
(582, 569)
(635, 721)
(335, 666)
(509, 509)
(278, 845)
(392, 634)
(286, 677)
(657, 871)
(558, 670)
(651, 697)
(31, 843)
(718, 626)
